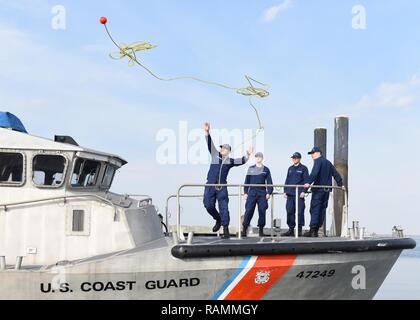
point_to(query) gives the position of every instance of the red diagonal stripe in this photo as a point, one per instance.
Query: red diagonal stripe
(248, 289)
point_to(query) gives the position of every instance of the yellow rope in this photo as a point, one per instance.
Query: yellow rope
(129, 51)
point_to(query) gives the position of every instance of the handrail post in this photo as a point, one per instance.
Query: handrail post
(344, 229)
(166, 211)
(346, 201)
(297, 213)
(239, 210)
(178, 213)
(272, 215)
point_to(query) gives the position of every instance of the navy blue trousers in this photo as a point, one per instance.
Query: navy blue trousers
(319, 205)
(291, 211)
(211, 194)
(253, 199)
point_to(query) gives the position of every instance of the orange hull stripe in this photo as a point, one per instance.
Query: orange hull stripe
(274, 266)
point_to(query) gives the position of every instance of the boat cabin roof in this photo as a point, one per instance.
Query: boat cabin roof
(15, 140)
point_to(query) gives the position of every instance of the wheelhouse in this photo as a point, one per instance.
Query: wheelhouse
(56, 204)
(54, 165)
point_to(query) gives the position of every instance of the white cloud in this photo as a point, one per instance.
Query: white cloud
(396, 95)
(271, 13)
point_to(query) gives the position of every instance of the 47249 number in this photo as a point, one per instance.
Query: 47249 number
(315, 274)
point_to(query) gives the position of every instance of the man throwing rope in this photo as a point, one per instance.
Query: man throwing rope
(218, 172)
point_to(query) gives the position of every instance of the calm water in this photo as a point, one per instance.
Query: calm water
(403, 282)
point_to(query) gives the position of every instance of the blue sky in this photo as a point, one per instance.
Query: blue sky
(318, 66)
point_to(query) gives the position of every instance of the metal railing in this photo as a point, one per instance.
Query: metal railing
(5, 206)
(239, 194)
(174, 196)
(140, 202)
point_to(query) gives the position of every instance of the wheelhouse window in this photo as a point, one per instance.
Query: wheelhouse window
(11, 168)
(108, 176)
(48, 170)
(85, 173)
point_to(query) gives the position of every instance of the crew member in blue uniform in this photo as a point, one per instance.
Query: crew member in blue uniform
(257, 174)
(297, 174)
(218, 172)
(321, 175)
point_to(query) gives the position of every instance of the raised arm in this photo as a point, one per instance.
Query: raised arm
(210, 145)
(241, 161)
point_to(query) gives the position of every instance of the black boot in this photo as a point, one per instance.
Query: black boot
(289, 233)
(217, 226)
(226, 234)
(261, 232)
(300, 231)
(312, 233)
(244, 232)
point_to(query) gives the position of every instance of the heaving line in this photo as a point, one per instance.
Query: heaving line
(130, 51)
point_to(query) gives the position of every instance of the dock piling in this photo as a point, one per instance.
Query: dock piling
(341, 153)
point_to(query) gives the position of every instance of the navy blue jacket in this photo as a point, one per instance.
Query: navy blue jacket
(297, 175)
(257, 175)
(322, 174)
(217, 162)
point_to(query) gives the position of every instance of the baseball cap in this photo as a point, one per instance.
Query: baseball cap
(314, 149)
(226, 146)
(296, 155)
